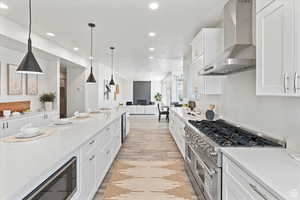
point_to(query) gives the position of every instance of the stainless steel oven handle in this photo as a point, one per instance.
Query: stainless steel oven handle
(211, 172)
(258, 192)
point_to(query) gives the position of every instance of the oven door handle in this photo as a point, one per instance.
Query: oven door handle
(211, 172)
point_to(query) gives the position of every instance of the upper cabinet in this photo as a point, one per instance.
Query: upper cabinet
(205, 47)
(261, 4)
(207, 44)
(277, 65)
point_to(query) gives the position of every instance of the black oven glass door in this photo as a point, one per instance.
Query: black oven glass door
(60, 186)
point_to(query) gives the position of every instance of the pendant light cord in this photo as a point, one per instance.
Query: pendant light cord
(91, 48)
(112, 61)
(29, 18)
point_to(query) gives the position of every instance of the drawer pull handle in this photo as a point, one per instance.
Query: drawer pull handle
(108, 152)
(258, 192)
(92, 142)
(92, 158)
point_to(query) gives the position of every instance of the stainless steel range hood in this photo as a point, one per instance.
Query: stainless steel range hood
(239, 54)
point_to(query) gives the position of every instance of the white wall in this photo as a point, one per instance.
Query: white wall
(155, 88)
(126, 90)
(91, 90)
(76, 86)
(8, 56)
(277, 117)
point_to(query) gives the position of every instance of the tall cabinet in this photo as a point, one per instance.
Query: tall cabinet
(278, 44)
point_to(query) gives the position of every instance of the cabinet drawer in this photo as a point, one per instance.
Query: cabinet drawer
(89, 146)
(236, 174)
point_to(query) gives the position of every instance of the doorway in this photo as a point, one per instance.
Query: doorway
(63, 92)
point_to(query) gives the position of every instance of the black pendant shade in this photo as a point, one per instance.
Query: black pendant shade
(29, 64)
(91, 78)
(112, 82)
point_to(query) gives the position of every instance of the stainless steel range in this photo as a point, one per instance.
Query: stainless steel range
(204, 139)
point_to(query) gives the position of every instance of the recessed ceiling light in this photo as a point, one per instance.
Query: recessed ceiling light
(152, 34)
(3, 6)
(75, 48)
(151, 49)
(153, 6)
(50, 34)
(151, 57)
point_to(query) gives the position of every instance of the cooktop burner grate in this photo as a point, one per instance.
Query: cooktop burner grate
(227, 135)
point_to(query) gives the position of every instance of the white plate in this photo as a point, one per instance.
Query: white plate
(62, 122)
(28, 135)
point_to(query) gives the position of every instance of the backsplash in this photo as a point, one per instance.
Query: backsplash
(277, 117)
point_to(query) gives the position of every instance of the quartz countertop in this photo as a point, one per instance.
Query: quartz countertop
(182, 114)
(21, 163)
(26, 114)
(273, 168)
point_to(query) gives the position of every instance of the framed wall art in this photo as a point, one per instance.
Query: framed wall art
(32, 84)
(14, 80)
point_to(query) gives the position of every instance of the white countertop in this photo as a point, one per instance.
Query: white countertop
(21, 163)
(273, 168)
(26, 114)
(182, 113)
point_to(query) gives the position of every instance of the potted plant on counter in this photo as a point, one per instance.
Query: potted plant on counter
(47, 99)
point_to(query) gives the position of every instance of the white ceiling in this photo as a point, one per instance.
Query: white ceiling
(124, 24)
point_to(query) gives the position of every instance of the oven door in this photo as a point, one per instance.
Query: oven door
(208, 177)
(61, 185)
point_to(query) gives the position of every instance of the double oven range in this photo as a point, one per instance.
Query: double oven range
(203, 158)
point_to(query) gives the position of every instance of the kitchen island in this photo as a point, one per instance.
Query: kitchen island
(95, 140)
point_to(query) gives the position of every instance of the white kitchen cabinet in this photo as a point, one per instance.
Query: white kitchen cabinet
(238, 185)
(207, 44)
(176, 127)
(275, 49)
(261, 4)
(13, 126)
(296, 75)
(88, 178)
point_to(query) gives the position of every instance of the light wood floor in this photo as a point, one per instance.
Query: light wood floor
(148, 140)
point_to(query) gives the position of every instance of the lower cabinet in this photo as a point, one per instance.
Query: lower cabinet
(88, 178)
(97, 155)
(176, 127)
(238, 185)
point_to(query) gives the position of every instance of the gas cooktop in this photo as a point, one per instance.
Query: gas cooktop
(226, 135)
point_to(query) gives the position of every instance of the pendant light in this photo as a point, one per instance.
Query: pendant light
(91, 78)
(29, 65)
(112, 82)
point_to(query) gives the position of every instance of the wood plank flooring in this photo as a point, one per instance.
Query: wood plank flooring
(148, 140)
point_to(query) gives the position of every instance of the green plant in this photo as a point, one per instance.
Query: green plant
(47, 97)
(157, 97)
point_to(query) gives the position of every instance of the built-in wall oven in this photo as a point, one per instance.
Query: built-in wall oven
(205, 176)
(61, 185)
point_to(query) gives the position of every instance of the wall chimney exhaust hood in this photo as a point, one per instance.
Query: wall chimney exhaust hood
(239, 54)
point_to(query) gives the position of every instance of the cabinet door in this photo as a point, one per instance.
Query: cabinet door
(102, 161)
(275, 48)
(14, 126)
(37, 120)
(232, 190)
(296, 75)
(88, 176)
(261, 4)
(197, 46)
